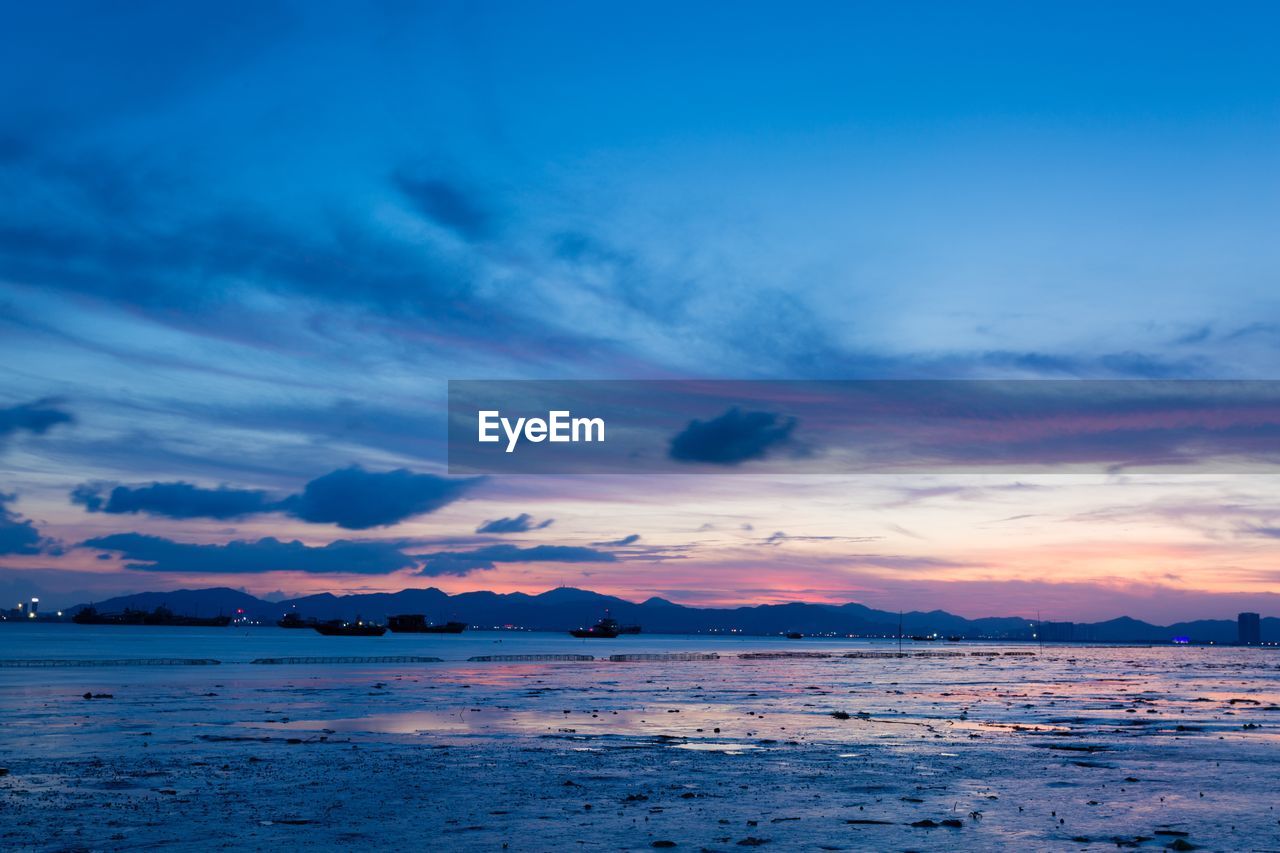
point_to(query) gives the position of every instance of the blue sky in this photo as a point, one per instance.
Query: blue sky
(245, 245)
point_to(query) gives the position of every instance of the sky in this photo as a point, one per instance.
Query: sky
(243, 247)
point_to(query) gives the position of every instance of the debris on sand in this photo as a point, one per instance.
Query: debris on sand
(663, 843)
(840, 715)
(98, 696)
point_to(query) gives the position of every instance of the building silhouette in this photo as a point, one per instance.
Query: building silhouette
(1249, 628)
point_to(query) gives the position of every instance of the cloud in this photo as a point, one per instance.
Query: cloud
(460, 562)
(445, 204)
(618, 543)
(35, 417)
(206, 270)
(172, 500)
(352, 498)
(357, 499)
(143, 552)
(520, 524)
(733, 438)
(343, 556)
(17, 534)
(780, 536)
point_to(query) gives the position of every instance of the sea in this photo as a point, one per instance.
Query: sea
(256, 737)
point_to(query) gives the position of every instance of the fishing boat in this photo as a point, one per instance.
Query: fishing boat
(293, 620)
(338, 628)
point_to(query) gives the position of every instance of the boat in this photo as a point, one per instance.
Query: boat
(161, 616)
(606, 629)
(628, 629)
(293, 620)
(794, 635)
(338, 628)
(416, 623)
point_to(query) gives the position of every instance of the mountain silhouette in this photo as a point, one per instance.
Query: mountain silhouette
(567, 607)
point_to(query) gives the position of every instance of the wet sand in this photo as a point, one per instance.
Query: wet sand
(1068, 749)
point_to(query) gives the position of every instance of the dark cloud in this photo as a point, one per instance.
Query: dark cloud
(460, 562)
(36, 417)
(444, 203)
(520, 524)
(357, 499)
(157, 554)
(733, 438)
(366, 557)
(618, 543)
(172, 500)
(352, 498)
(17, 534)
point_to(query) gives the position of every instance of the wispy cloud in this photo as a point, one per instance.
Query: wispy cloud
(521, 523)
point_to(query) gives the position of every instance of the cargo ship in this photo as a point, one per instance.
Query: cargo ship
(416, 623)
(161, 616)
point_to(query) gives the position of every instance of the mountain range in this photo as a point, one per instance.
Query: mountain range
(567, 607)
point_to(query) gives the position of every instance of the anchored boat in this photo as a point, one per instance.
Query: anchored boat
(416, 623)
(338, 628)
(606, 629)
(162, 616)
